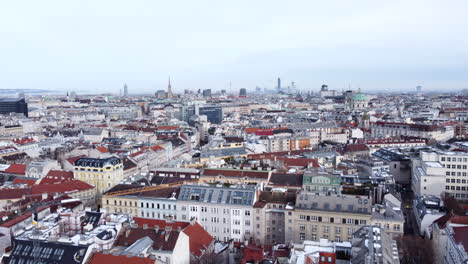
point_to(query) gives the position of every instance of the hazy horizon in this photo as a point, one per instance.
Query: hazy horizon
(100, 45)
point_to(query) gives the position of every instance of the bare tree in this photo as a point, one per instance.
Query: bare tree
(452, 205)
(416, 250)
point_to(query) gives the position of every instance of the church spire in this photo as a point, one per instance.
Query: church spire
(169, 88)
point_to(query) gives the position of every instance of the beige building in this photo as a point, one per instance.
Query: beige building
(102, 173)
(334, 217)
(269, 217)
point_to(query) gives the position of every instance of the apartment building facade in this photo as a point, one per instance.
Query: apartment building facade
(333, 217)
(102, 173)
(226, 213)
(436, 172)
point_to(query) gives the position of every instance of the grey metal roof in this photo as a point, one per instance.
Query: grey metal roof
(92, 162)
(219, 195)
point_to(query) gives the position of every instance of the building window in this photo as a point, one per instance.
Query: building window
(302, 236)
(326, 229)
(302, 227)
(337, 230)
(314, 228)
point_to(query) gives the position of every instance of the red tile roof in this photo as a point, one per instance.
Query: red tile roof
(252, 254)
(298, 162)
(23, 141)
(24, 181)
(102, 149)
(199, 239)
(22, 217)
(163, 240)
(161, 223)
(19, 169)
(451, 218)
(264, 133)
(167, 128)
(157, 148)
(57, 176)
(355, 148)
(255, 130)
(100, 258)
(461, 235)
(73, 159)
(137, 153)
(63, 187)
(14, 193)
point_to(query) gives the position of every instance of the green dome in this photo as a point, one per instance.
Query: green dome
(359, 97)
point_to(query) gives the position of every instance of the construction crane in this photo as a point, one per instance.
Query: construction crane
(148, 188)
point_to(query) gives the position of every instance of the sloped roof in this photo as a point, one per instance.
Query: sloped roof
(62, 187)
(451, 218)
(15, 193)
(356, 148)
(102, 149)
(236, 173)
(100, 258)
(19, 169)
(286, 179)
(57, 176)
(164, 240)
(199, 238)
(461, 235)
(24, 181)
(23, 141)
(158, 222)
(157, 148)
(73, 159)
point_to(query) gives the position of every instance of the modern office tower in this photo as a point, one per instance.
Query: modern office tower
(279, 84)
(214, 114)
(242, 92)
(125, 92)
(207, 93)
(13, 105)
(418, 89)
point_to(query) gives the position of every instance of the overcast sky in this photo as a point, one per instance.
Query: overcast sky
(99, 45)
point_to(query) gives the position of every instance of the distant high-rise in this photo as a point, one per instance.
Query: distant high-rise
(13, 105)
(279, 84)
(418, 89)
(207, 93)
(242, 92)
(125, 93)
(169, 89)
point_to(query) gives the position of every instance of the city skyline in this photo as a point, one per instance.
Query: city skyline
(100, 46)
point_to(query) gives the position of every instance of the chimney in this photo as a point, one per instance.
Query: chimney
(156, 228)
(179, 228)
(127, 232)
(145, 226)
